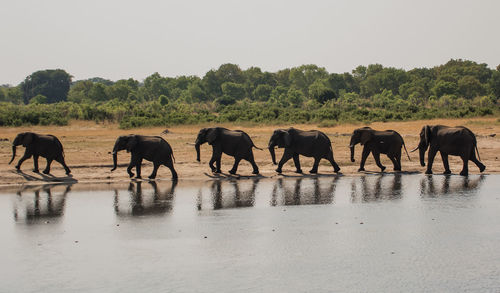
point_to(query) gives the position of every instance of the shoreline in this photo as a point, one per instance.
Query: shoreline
(87, 146)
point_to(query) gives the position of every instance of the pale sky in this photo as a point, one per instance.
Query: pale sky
(121, 38)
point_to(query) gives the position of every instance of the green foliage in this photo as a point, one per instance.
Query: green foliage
(54, 84)
(304, 94)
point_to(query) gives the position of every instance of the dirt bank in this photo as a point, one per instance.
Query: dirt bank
(87, 146)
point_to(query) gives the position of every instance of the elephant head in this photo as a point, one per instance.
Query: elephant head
(425, 140)
(25, 139)
(360, 135)
(280, 138)
(127, 142)
(205, 135)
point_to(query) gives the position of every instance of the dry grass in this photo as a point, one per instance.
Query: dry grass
(87, 146)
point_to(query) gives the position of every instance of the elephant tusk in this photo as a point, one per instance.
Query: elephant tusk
(190, 143)
(414, 150)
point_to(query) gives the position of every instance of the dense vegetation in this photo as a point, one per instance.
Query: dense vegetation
(305, 94)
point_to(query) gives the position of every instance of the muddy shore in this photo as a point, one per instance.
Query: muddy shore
(87, 146)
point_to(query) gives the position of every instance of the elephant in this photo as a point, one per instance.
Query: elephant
(455, 141)
(39, 145)
(234, 143)
(151, 148)
(37, 206)
(304, 191)
(145, 203)
(377, 142)
(312, 143)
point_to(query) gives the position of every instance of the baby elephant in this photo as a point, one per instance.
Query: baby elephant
(39, 145)
(151, 148)
(312, 143)
(388, 142)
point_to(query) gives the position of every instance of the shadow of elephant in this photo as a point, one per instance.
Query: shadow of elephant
(141, 203)
(303, 193)
(433, 186)
(376, 187)
(42, 204)
(227, 194)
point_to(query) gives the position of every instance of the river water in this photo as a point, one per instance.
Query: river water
(376, 233)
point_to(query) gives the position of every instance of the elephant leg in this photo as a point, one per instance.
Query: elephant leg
(330, 159)
(394, 162)
(296, 162)
(61, 161)
(216, 156)
(446, 164)
(376, 156)
(251, 160)
(24, 158)
(287, 155)
(170, 165)
(35, 163)
(474, 159)
(364, 156)
(138, 164)
(465, 169)
(314, 169)
(130, 166)
(155, 170)
(430, 160)
(47, 168)
(235, 165)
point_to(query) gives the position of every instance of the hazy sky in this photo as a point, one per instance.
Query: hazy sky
(122, 38)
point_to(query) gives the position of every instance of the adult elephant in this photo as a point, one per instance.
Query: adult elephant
(39, 145)
(234, 143)
(455, 141)
(312, 143)
(150, 148)
(388, 142)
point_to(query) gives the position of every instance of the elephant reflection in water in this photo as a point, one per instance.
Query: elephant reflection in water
(40, 206)
(432, 186)
(373, 191)
(303, 192)
(142, 203)
(236, 198)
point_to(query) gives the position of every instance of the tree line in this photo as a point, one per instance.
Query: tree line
(304, 94)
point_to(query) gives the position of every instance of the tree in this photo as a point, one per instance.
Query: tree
(262, 92)
(494, 84)
(444, 88)
(469, 87)
(52, 83)
(234, 90)
(38, 99)
(98, 92)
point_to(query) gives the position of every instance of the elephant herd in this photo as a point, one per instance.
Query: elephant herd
(455, 141)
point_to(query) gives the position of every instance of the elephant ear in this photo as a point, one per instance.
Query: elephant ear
(287, 138)
(211, 135)
(427, 134)
(27, 139)
(131, 143)
(366, 136)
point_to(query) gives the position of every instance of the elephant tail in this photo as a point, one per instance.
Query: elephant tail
(404, 145)
(58, 142)
(257, 147)
(477, 151)
(173, 158)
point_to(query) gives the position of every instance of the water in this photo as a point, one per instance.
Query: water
(377, 233)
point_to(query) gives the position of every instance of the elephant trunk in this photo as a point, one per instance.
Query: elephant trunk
(273, 155)
(197, 147)
(115, 161)
(13, 153)
(421, 151)
(352, 153)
